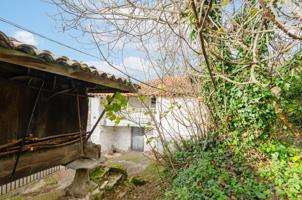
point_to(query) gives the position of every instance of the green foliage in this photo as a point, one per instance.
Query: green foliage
(254, 155)
(284, 171)
(291, 90)
(221, 173)
(275, 148)
(250, 107)
(117, 103)
(225, 2)
(96, 174)
(216, 174)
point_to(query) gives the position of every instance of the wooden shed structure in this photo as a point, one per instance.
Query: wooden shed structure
(44, 107)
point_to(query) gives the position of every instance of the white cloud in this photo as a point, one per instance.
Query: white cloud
(103, 66)
(137, 67)
(25, 37)
(135, 63)
(134, 66)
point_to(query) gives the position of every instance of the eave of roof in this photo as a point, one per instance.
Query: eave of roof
(15, 52)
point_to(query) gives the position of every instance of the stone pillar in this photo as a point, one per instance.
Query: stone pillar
(80, 185)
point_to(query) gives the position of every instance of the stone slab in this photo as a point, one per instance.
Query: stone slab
(85, 163)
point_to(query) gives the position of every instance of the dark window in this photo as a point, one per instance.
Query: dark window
(153, 102)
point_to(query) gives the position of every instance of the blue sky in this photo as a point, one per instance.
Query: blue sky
(35, 15)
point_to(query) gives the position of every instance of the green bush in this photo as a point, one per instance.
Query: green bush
(220, 173)
(291, 99)
(283, 169)
(217, 174)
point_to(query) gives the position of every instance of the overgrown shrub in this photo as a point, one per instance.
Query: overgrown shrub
(283, 169)
(217, 174)
(220, 173)
(291, 97)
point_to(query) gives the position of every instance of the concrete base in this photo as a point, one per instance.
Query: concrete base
(85, 163)
(80, 185)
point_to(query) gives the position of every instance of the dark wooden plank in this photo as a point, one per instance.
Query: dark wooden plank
(32, 162)
(57, 115)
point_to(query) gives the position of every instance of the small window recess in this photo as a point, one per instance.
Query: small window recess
(153, 102)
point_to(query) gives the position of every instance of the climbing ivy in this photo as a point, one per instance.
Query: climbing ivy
(256, 150)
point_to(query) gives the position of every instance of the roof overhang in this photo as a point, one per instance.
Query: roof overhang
(28, 56)
(33, 62)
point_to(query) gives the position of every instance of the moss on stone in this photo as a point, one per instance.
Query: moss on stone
(118, 169)
(97, 174)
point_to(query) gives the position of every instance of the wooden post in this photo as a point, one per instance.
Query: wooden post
(80, 124)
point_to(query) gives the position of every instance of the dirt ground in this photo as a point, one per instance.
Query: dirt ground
(136, 163)
(140, 166)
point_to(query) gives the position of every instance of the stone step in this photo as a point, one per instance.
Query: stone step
(107, 179)
(113, 180)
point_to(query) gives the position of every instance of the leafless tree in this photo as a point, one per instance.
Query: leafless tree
(187, 37)
(163, 30)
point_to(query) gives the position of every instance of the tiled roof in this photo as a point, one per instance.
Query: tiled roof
(168, 86)
(74, 69)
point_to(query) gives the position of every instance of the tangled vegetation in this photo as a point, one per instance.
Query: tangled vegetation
(256, 110)
(246, 56)
(256, 153)
(216, 174)
(258, 157)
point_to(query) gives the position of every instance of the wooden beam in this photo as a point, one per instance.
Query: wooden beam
(32, 162)
(33, 62)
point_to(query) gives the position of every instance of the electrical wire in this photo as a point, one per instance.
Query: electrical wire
(87, 54)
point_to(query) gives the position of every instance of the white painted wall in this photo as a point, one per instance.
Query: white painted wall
(178, 118)
(95, 109)
(118, 138)
(175, 123)
(108, 137)
(148, 140)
